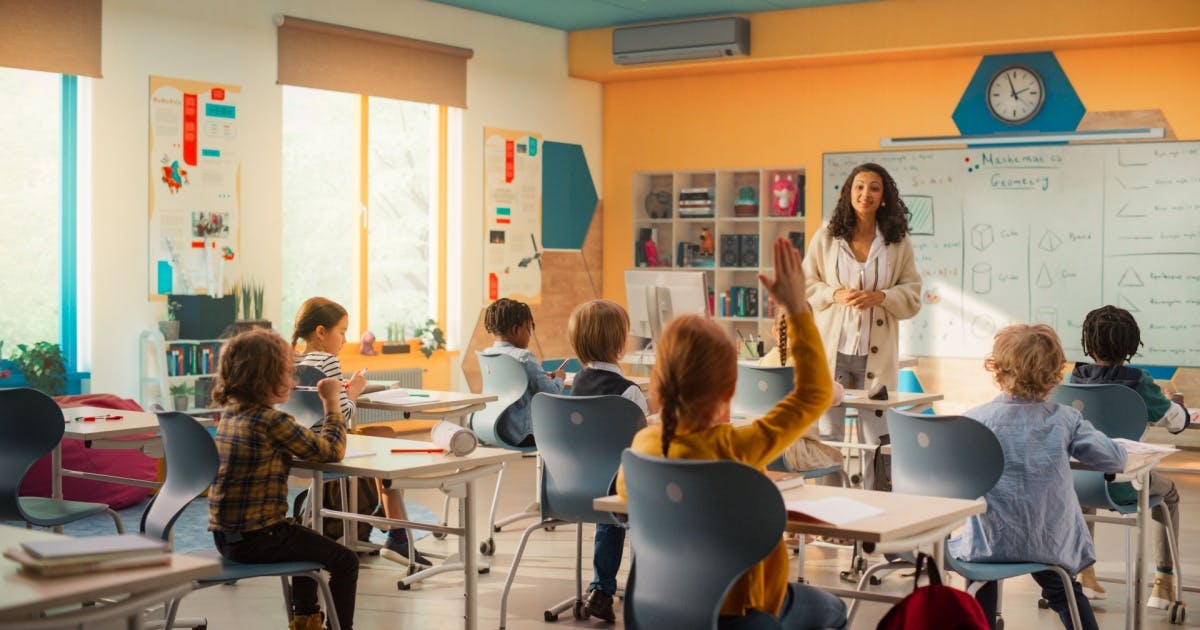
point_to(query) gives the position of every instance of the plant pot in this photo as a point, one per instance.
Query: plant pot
(396, 347)
(745, 209)
(169, 329)
(181, 402)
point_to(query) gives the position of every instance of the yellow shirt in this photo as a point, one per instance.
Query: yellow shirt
(764, 585)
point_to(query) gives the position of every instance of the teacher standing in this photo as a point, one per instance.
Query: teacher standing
(862, 280)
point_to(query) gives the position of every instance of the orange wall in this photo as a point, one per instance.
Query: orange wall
(789, 117)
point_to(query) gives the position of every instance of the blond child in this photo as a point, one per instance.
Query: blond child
(247, 504)
(695, 425)
(512, 324)
(1029, 516)
(598, 331)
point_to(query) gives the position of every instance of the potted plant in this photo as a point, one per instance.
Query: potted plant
(248, 300)
(395, 343)
(43, 366)
(170, 326)
(180, 394)
(431, 337)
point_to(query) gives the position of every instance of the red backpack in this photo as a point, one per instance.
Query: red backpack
(934, 607)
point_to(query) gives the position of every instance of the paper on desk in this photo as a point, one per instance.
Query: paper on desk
(831, 510)
(399, 397)
(351, 453)
(1131, 447)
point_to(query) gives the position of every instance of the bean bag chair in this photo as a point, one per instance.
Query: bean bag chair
(119, 462)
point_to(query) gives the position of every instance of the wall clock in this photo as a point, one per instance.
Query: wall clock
(1015, 94)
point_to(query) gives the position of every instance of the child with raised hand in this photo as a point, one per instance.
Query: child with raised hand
(247, 504)
(598, 331)
(321, 324)
(1110, 338)
(1030, 516)
(695, 425)
(512, 324)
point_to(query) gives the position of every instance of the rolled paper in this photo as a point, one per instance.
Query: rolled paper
(455, 439)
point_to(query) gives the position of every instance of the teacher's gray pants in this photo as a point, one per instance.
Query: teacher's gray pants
(851, 372)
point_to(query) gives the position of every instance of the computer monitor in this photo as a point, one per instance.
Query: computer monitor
(655, 296)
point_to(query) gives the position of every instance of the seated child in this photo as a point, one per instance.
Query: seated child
(247, 503)
(598, 331)
(1026, 520)
(695, 425)
(1111, 337)
(512, 323)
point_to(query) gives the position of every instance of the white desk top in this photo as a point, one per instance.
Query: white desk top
(857, 398)
(131, 423)
(384, 464)
(22, 595)
(436, 400)
(904, 515)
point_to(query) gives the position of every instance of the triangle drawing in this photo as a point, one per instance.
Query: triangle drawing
(1130, 279)
(1127, 305)
(1043, 279)
(1050, 241)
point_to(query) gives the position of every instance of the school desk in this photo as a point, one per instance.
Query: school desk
(369, 456)
(429, 404)
(25, 597)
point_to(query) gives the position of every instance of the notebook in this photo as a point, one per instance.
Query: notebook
(400, 397)
(832, 510)
(113, 544)
(79, 565)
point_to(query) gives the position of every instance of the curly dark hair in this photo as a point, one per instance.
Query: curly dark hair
(1111, 335)
(254, 367)
(892, 216)
(505, 316)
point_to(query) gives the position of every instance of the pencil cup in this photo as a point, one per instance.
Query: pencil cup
(455, 439)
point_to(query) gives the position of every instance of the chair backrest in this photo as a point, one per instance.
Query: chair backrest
(695, 526)
(1116, 410)
(504, 377)
(943, 456)
(759, 388)
(580, 439)
(192, 461)
(305, 406)
(31, 425)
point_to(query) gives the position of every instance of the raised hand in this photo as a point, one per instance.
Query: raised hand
(787, 287)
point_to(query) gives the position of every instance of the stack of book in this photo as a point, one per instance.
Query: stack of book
(695, 203)
(73, 556)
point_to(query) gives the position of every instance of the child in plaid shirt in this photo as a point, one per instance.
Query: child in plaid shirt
(247, 504)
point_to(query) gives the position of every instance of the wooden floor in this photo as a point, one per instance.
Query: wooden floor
(547, 576)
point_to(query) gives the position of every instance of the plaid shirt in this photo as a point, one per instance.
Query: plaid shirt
(256, 445)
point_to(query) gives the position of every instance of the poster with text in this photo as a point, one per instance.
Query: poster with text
(512, 215)
(195, 185)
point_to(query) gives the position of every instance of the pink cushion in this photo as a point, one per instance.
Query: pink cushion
(119, 462)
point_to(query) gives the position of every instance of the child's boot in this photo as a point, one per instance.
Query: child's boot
(1163, 593)
(1091, 586)
(315, 621)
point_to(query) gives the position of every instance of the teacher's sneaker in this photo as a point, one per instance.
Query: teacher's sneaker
(1163, 593)
(1091, 586)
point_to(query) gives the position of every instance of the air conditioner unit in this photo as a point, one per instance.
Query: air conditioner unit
(676, 41)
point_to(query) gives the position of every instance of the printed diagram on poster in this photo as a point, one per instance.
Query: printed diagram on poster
(512, 173)
(195, 185)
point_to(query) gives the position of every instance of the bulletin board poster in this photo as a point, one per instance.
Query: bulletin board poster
(195, 185)
(512, 215)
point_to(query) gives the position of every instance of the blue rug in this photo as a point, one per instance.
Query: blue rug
(191, 529)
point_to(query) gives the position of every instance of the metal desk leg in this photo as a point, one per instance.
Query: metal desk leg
(466, 550)
(1139, 579)
(56, 477)
(315, 496)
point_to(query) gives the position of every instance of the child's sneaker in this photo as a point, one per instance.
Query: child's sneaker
(1163, 593)
(1091, 586)
(600, 605)
(396, 549)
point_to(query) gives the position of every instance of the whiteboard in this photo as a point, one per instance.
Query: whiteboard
(1044, 234)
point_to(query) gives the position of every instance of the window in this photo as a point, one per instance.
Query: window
(360, 206)
(38, 189)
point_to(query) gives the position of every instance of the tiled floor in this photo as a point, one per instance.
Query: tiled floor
(547, 576)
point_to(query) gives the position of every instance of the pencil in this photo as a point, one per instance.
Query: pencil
(418, 450)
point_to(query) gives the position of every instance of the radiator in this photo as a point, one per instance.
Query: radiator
(408, 378)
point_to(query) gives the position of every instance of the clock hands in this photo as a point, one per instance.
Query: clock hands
(1011, 88)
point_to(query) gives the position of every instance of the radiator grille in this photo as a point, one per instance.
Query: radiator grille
(410, 378)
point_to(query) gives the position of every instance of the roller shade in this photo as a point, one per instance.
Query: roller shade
(61, 36)
(331, 57)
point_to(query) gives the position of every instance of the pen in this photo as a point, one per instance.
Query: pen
(562, 365)
(418, 450)
(107, 416)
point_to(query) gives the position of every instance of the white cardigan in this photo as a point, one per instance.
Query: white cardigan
(902, 291)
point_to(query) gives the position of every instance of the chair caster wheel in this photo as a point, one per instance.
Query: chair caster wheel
(549, 616)
(488, 547)
(401, 586)
(495, 529)
(485, 571)
(578, 611)
(1043, 604)
(874, 580)
(439, 535)
(1178, 613)
(1000, 623)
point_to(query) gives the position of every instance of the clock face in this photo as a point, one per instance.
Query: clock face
(1015, 94)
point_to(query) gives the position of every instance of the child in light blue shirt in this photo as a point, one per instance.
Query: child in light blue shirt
(512, 323)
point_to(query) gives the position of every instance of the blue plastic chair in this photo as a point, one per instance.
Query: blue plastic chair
(31, 424)
(1118, 412)
(305, 406)
(192, 462)
(505, 378)
(956, 457)
(695, 527)
(759, 388)
(580, 440)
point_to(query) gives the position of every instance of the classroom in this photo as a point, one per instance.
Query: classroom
(362, 149)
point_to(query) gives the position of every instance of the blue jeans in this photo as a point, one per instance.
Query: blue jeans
(804, 608)
(1053, 592)
(606, 557)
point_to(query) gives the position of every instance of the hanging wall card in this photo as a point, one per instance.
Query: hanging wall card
(195, 192)
(512, 215)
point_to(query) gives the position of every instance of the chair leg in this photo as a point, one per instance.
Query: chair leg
(1175, 564)
(574, 602)
(1069, 591)
(288, 606)
(117, 520)
(512, 571)
(496, 501)
(326, 594)
(533, 510)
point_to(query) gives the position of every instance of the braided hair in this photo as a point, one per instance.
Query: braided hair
(1111, 335)
(695, 370)
(891, 217)
(781, 338)
(316, 311)
(504, 316)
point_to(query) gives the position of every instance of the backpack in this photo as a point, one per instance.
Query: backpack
(934, 607)
(368, 504)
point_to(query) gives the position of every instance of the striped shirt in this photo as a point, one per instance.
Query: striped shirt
(331, 368)
(256, 445)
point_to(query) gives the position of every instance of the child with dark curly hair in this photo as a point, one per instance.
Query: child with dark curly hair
(512, 324)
